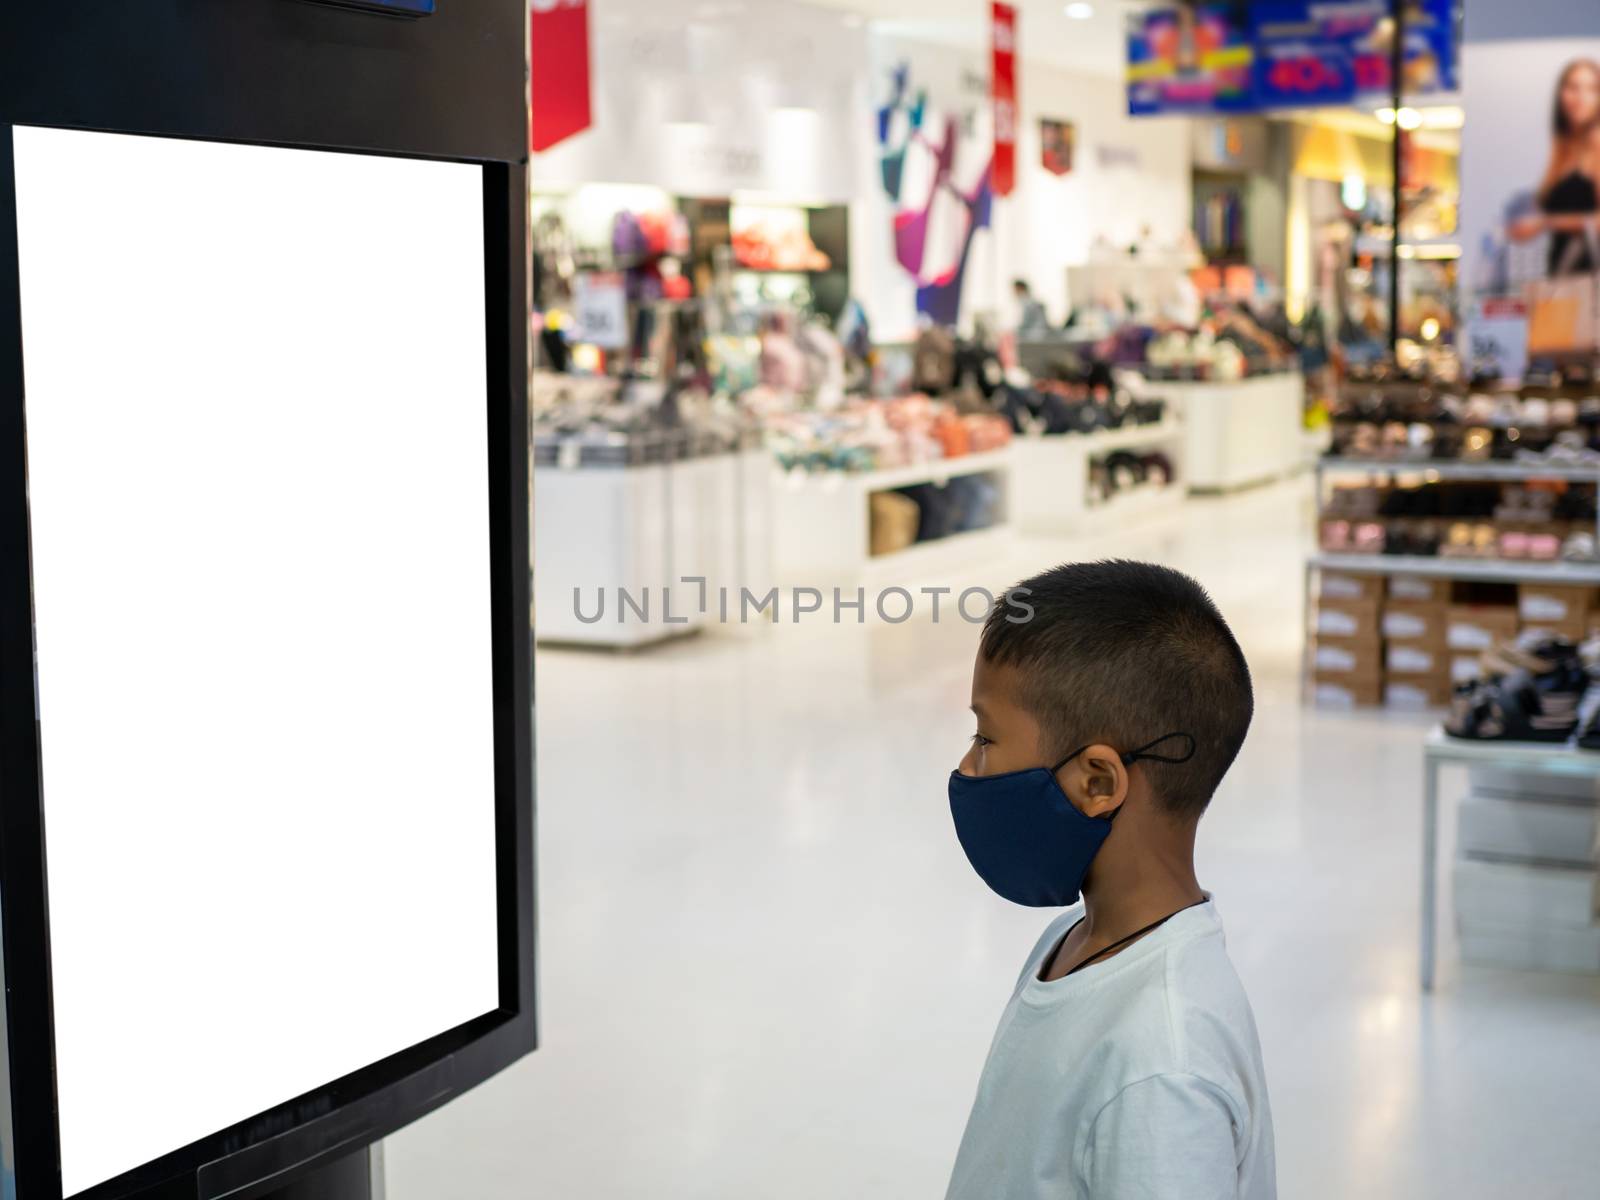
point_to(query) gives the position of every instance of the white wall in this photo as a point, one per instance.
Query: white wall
(1145, 185)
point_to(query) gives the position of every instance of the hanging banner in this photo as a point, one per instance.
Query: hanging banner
(1005, 98)
(558, 71)
(1057, 140)
(1190, 60)
(1224, 58)
(1333, 52)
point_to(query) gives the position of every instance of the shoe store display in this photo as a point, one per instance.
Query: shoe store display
(1507, 522)
(1531, 691)
(1397, 419)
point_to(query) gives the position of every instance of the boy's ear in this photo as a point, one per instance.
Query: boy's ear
(1096, 781)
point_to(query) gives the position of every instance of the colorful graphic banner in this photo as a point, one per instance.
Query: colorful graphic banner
(558, 71)
(1321, 52)
(1275, 54)
(1190, 60)
(1005, 98)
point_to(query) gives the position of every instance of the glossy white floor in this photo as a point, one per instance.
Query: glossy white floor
(768, 971)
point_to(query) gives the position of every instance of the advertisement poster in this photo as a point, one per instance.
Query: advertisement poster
(1190, 60)
(1319, 52)
(1277, 54)
(1057, 140)
(1530, 203)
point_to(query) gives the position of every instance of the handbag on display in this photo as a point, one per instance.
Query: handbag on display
(1564, 310)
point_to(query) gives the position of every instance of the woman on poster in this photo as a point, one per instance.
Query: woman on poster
(1569, 197)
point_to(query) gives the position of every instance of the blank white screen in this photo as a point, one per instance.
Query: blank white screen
(255, 390)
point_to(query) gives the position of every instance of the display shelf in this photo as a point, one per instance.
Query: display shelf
(1439, 750)
(1452, 469)
(1238, 434)
(1472, 570)
(643, 529)
(939, 470)
(822, 525)
(1546, 757)
(1050, 490)
(1109, 440)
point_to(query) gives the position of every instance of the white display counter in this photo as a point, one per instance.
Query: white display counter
(1242, 433)
(1050, 485)
(823, 526)
(600, 532)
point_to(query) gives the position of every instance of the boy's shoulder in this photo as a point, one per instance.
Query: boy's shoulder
(1173, 1006)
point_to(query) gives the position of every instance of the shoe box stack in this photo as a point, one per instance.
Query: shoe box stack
(1347, 650)
(1525, 877)
(1382, 640)
(1406, 642)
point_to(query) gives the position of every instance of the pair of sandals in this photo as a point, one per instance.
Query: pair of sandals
(1531, 690)
(1484, 541)
(1353, 537)
(1122, 471)
(1464, 540)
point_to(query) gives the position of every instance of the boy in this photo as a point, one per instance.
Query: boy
(1111, 699)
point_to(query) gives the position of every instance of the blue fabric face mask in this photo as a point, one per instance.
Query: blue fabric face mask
(1022, 835)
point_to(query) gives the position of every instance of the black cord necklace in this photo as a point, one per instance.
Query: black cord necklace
(1121, 942)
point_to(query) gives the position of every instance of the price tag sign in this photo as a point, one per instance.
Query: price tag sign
(600, 309)
(1497, 337)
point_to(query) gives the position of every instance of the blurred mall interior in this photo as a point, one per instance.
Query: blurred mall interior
(839, 299)
(844, 316)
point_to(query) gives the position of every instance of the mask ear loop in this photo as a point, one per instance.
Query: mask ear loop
(1070, 757)
(1142, 753)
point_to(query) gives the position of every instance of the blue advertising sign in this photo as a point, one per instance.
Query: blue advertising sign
(1190, 60)
(1294, 54)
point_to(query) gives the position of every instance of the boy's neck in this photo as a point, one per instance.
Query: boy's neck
(1154, 878)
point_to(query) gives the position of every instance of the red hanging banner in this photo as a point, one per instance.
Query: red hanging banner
(1004, 87)
(558, 71)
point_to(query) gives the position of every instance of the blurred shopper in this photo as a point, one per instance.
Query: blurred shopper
(1032, 320)
(1569, 198)
(1127, 1063)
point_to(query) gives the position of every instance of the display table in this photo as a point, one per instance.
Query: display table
(1439, 751)
(600, 532)
(1050, 487)
(822, 526)
(1239, 434)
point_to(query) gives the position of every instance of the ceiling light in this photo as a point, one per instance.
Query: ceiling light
(1080, 10)
(1446, 117)
(1410, 119)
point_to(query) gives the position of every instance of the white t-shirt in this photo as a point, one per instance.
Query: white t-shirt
(1137, 1078)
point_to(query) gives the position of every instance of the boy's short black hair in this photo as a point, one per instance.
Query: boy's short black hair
(1122, 653)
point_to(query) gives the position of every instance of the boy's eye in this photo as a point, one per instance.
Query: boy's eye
(979, 740)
